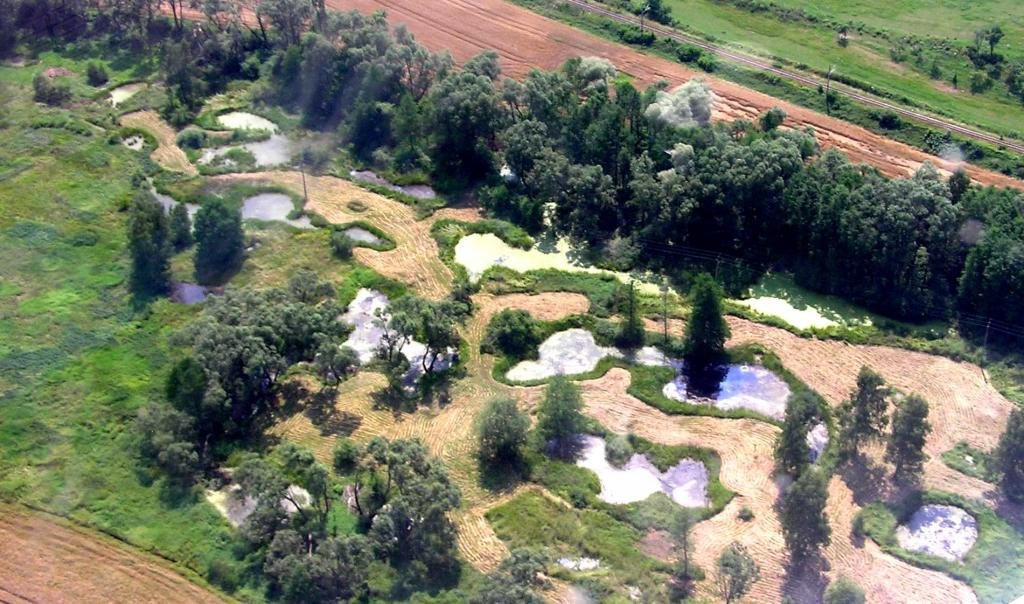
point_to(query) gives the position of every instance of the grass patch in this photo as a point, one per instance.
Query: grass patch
(971, 461)
(386, 244)
(602, 290)
(994, 565)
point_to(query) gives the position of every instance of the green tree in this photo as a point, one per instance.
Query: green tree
(804, 523)
(96, 74)
(736, 572)
(792, 453)
(685, 575)
(844, 591)
(501, 430)
(166, 438)
(181, 227)
(513, 332)
(631, 329)
(516, 580)
(707, 331)
(334, 362)
(149, 246)
(466, 119)
(220, 243)
(560, 415)
(1009, 457)
(865, 415)
(910, 429)
(772, 119)
(342, 245)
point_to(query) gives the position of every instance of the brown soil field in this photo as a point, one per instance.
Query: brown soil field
(45, 561)
(167, 154)
(526, 40)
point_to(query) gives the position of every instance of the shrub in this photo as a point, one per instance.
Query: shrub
(844, 591)
(96, 74)
(634, 35)
(50, 92)
(707, 62)
(688, 53)
(618, 450)
(745, 514)
(514, 332)
(341, 245)
(192, 138)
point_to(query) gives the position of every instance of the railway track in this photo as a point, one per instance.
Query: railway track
(762, 65)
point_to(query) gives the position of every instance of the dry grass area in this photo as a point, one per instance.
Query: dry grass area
(414, 261)
(447, 431)
(526, 40)
(45, 561)
(168, 155)
(746, 448)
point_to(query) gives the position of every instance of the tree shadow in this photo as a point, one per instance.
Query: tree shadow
(806, 579)
(501, 476)
(868, 481)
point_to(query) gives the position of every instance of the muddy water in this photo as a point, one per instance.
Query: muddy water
(275, 151)
(362, 235)
(242, 120)
(734, 386)
(686, 483)
(273, 206)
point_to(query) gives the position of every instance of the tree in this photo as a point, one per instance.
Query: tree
(342, 245)
(149, 246)
(772, 119)
(335, 362)
(804, 523)
(844, 591)
(166, 437)
(346, 455)
(792, 453)
(707, 331)
(181, 227)
(48, 91)
(513, 332)
(516, 580)
(220, 245)
(1009, 457)
(687, 106)
(466, 118)
(631, 329)
(502, 430)
(685, 575)
(96, 74)
(337, 568)
(560, 417)
(865, 415)
(910, 429)
(959, 182)
(736, 572)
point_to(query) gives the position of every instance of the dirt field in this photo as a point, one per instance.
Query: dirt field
(167, 154)
(526, 40)
(43, 561)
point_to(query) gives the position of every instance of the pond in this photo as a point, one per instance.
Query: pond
(686, 483)
(945, 531)
(273, 206)
(275, 151)
(778, 295)
(733, 386)
(568, 352)
(362, 235)
(243, 120)
(123, 93)
(371, 177)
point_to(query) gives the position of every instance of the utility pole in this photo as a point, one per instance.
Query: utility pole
(305, 193)
(642, 13)
(984, 350)
(664, 308)
(828, 89)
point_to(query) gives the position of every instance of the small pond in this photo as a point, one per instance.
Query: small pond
(123, 93)
(371, 177)
(273, 206)
(366, 335)
(686, 483)
(734, 386)
(568, 352)
(189, 293)
(945, 531)
(817, 440)
(363, 236)
(275, 151)
(134, 142)
(243, 120)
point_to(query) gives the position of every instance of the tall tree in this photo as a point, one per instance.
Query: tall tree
(560, 417)
(631, 329)
(149, 243)
(792, 453)
(1009, 456)
(736, 572)
(707, 331)
(804, 523)
(467, 116)
(220, 245)
(181, 227)
(684, 576)
(910, 429)
(501, 430)
(865, 414)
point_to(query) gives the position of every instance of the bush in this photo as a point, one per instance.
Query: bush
(618, 450)
(341, 245)
(96, 74)
(707, 62)
(50, 92)
(688, 53)
(192, 138)
(513, 332)
(745, 514)
(346, 455)
(844, 591)
(634, 35)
